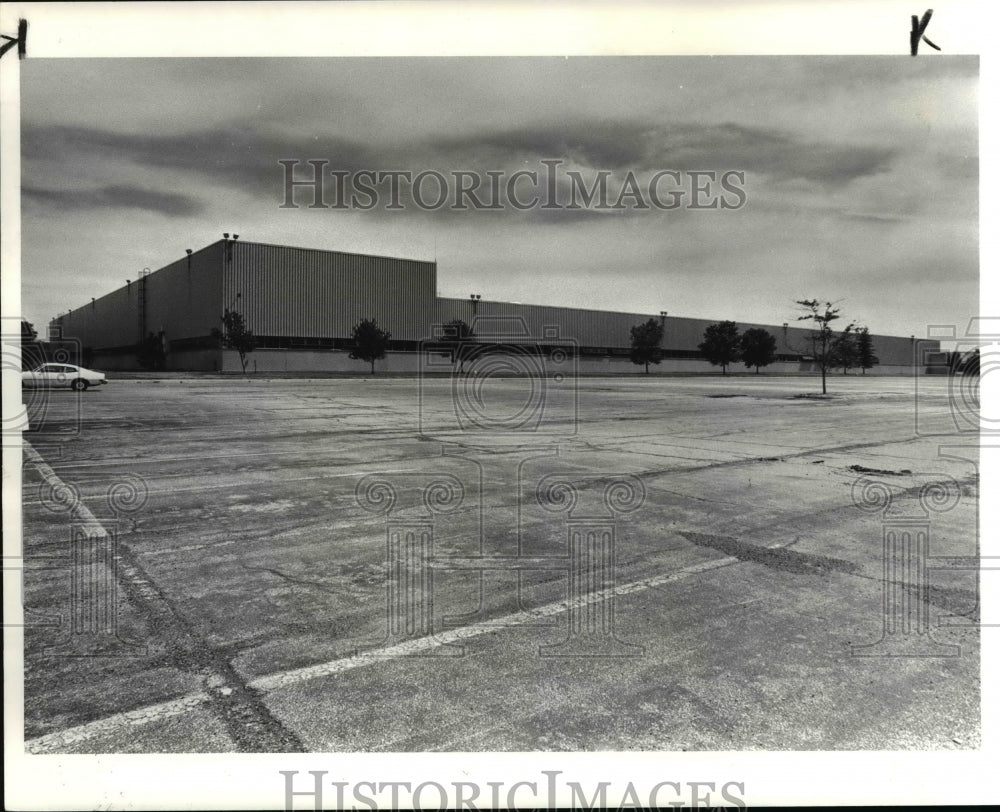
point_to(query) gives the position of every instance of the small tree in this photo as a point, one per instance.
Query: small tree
(757, 348)
(370, 342)
(235, 335)
(32, 351)
(458, 332)
(646, 340)
(866, 352)
(722, 344)
(822, 338)
(844, 352)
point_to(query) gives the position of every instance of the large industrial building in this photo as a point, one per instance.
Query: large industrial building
(302, 305)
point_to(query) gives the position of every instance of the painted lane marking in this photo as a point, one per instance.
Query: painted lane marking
(119, 723)
(285, 679)
(53, 742)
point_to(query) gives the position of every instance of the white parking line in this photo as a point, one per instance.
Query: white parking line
(122, 721)
(55, 742)
(283, 680)
(93, 527)
(119, 723)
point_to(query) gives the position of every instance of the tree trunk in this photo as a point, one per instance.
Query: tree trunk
(647, 367)
(822, 370)
(373, 366)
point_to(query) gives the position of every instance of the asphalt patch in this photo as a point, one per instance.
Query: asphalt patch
(861, 469)
(953, 600)
(780, 559)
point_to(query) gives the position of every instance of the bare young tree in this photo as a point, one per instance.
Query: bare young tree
(822, 338)
(235, 335)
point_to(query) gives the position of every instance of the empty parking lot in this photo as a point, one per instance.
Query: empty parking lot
(230, 565)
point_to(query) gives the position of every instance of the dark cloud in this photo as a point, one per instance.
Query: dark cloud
(960, 167)
(236, 154)
(854, 166)
(771, 152)
(607, 145)
(566, 216)
(242, 156)
(872, 219)
(114, 197)
(647, 147)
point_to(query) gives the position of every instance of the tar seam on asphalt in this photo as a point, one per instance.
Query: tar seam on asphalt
(238, 706)
(775, 558)
(270, 682)
(244, 700)
(948, 599)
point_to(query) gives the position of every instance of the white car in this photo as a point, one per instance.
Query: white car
(50, 376)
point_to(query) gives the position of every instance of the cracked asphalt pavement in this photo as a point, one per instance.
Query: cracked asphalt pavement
(277, 565)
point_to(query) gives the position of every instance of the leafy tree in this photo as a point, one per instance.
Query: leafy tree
(844, 351)
(32, 351)
(722, 344)
(866, 352)
(235, 335)
(457, 332)
(646, 340)
(821, 338)
(370, 342)
(757, 348)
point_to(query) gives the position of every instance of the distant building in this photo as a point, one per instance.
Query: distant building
(302, 305)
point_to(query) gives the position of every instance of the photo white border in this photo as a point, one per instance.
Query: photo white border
(511, 28)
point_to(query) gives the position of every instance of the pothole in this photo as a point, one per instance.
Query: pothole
(861, 469)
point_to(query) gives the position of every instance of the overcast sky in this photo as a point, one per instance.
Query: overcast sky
(861, 175)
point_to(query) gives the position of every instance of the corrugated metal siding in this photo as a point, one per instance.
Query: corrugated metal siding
(186, 302)
(588, 328)
(894, 349)
(601, 328)
(323, 294)
(108, 322)
(183, 302)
